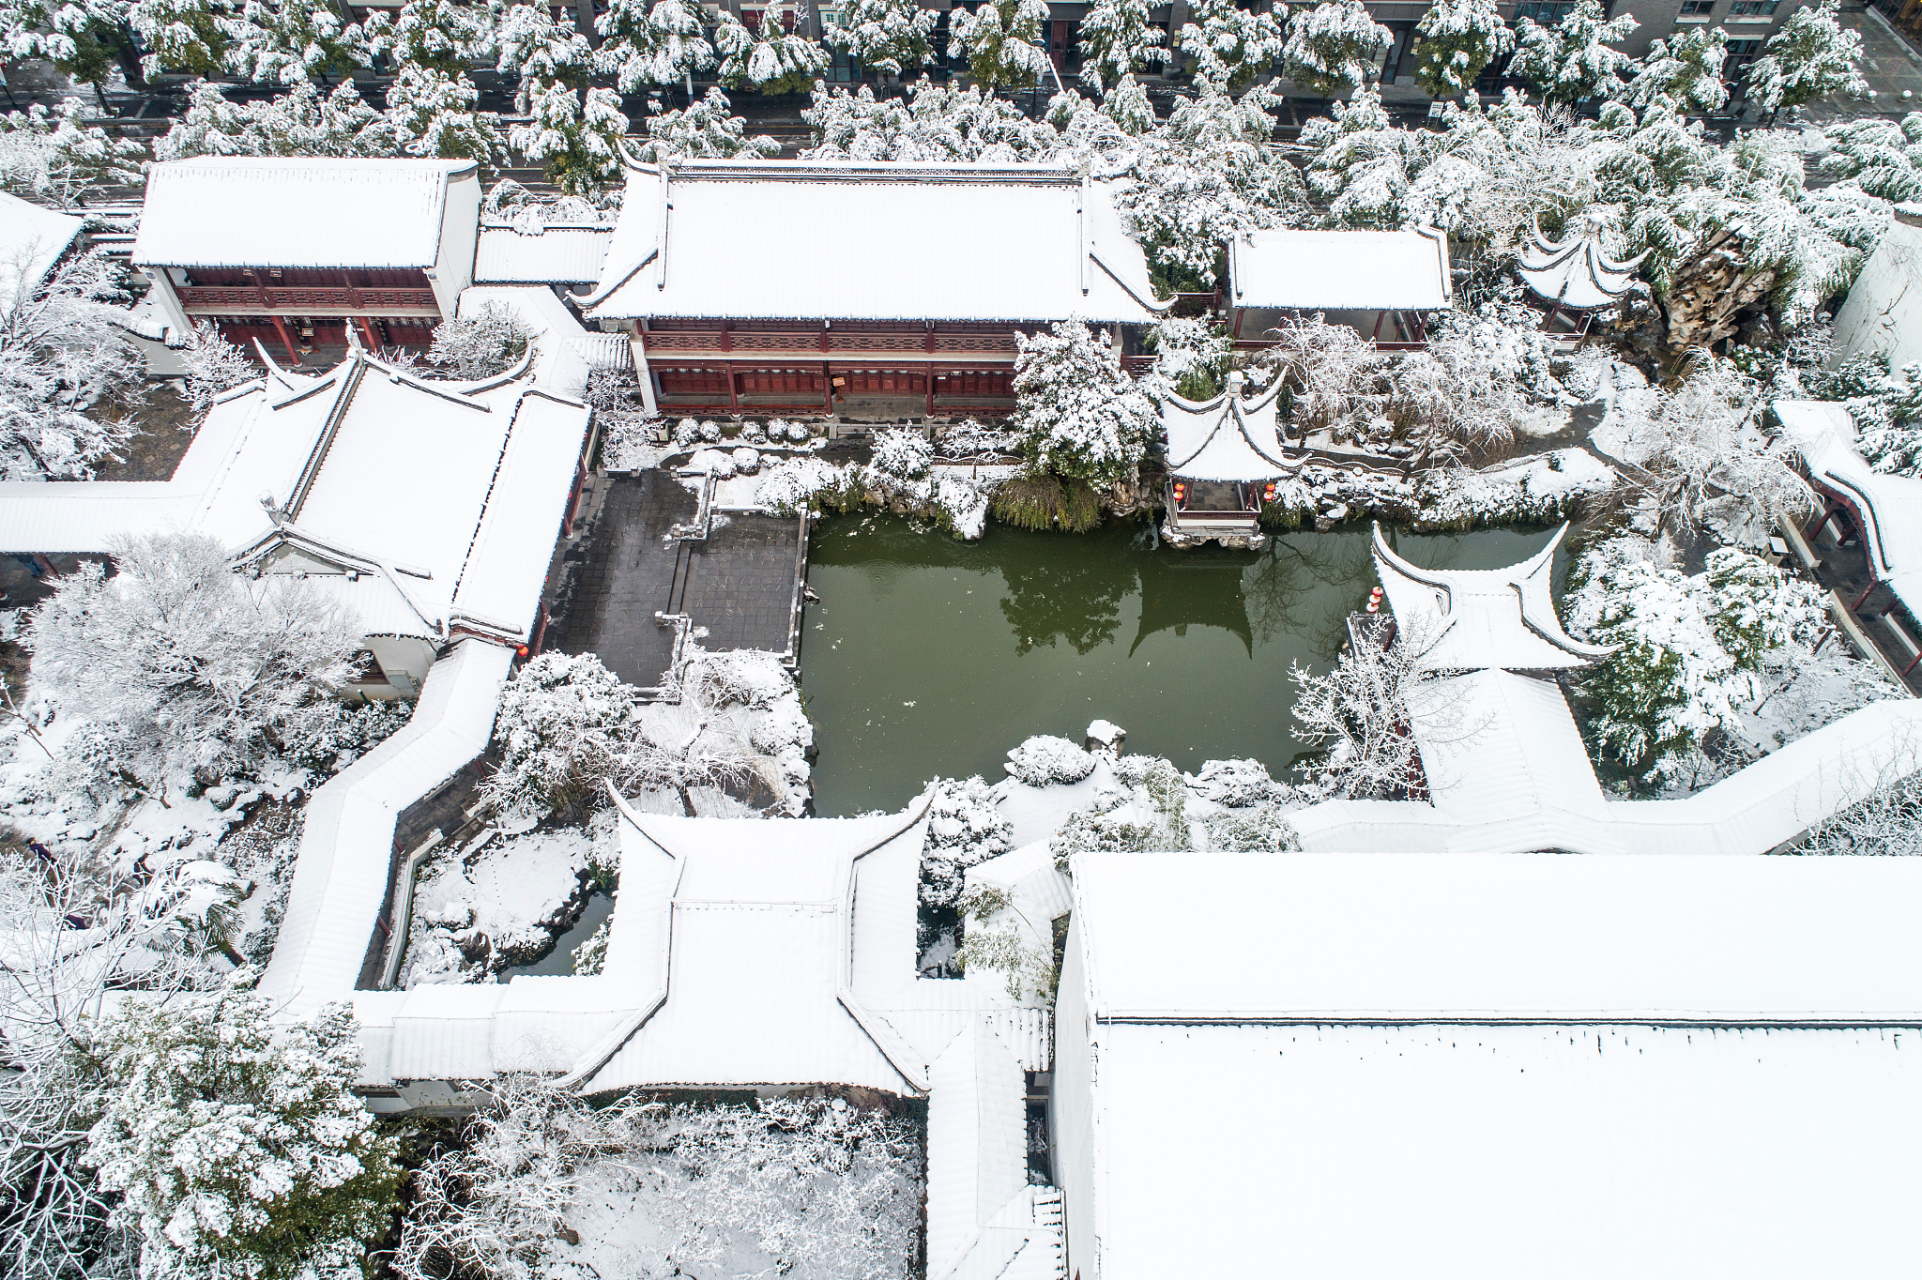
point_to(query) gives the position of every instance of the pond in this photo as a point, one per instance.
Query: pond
(561, 959)
(926, 656)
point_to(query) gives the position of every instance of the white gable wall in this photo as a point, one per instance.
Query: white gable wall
(453, 268)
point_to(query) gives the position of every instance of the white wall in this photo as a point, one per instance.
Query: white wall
(405, 659)
(1883, 311)
(459, 237)
(1071, 1109)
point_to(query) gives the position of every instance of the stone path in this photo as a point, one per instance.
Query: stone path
(738, 582)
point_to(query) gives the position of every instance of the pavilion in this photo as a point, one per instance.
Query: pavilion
(1574, 277)
(1225, 458)
(1384, 284)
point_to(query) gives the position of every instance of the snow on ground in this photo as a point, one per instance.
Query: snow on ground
(496, 902)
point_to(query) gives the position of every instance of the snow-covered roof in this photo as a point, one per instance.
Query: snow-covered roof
(557, 255)
(1889, 508)
(1523, 1064)
(1341, 270)
(248, 211)
(1576, 271)
(871, 241)
(1230, 437)
(1469, 619)
(977, 1143)
(342, 455)
(31, 241)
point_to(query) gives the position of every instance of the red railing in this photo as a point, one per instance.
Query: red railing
(833, 342)
(241, 299)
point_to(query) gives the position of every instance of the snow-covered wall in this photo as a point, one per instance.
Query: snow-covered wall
(1883, 312)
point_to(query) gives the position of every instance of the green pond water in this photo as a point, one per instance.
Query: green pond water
(929, 656)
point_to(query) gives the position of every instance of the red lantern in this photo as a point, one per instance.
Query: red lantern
(520, 651)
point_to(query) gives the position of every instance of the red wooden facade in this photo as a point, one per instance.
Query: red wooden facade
(805, 366)
(297, 308)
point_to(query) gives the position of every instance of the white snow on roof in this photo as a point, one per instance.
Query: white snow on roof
(31, 241)
(1229, 438)
(1505, 1153)
(977, 1143)
(558, 255)
(1512, 937)
(880, 242)
(1472, 618)
(1576, 271)
(256, 212)
(1341, 270)
(1888, 509)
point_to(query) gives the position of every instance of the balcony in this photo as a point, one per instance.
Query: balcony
(828, 344)
(244, 300)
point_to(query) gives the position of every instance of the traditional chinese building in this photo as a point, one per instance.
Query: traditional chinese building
(1574, 277)
(1384, 284)
(295, 252)
(1225, 458)
(805, 287)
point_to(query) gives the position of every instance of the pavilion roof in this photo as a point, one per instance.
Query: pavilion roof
(1228, 438)
(31, 241)
(1474, 619)
(1341, 270)
(900, 242)
(1576, 270)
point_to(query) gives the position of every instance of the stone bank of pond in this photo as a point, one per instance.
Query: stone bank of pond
(929, 656)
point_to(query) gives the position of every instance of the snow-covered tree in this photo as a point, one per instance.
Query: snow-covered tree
(1572, 61)
(1887, 407)
(1362, 165)
(1497, 376)
(1205, 177)
(579, 141)
(61, 353)
(1002, 40)
(542, 53)
(1191, 355)
(1881, 157)
(1331, 373)
(480, 346)
(965, 827)
(1231, 45)
(769, 58)
(708, 130)
(1080, 415)
(433, 35)
(1127, 104)
(300, 122)
(213, 365)
(1459, 38)
(430, 113)
(1687, 70)
(1334, 47)
(49, 156)
(292, 41)
(240, 1148)
(643, 45)
(891, 37)
(181, 667)
(186, 37)
(1885, 822)
(1117, 40)
(1812, 56)
(1364, 720)
(933, 122)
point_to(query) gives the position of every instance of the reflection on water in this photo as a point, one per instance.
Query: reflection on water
(926, 656)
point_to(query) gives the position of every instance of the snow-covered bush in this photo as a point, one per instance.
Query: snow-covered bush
(61, 354)
(813, 1188)
(747, 462)
(965, 826)
(718, 463)
(1332, 48)
(902, 453)
(1237, 784)
(994, 943)
(563, 724)
(1114, 832)
(240, 1147)
(711, 432)
(1886, 406)
(1692, 649)
(1261, 829)
(793, 485)
(591, 956)
(329, 734)
(1459, 38)
(1044, 761)
(1885, 822)
(480, 346)
(1081, 417)
(213, 365)
(182, 667)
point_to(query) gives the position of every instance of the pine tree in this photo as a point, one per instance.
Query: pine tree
(1231, 45)
(432, 113)
(542, 53)
(1002, 40)
(580, 142)
(1459, 38)
(642, 46)
(1686, 70)
(1334, 48)
(1571, 61)
(1117, 40)
(1811, 57)
(1882, 157)
(297, 123)
(435, 35)
(1127, 104)
(708, 130)
(891, 37)
(1080, 416)
(241, 1148)
(769, 59)
(187, 37)
(293, 41)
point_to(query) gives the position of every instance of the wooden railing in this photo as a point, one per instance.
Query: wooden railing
(832, 343)
(241, 299)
